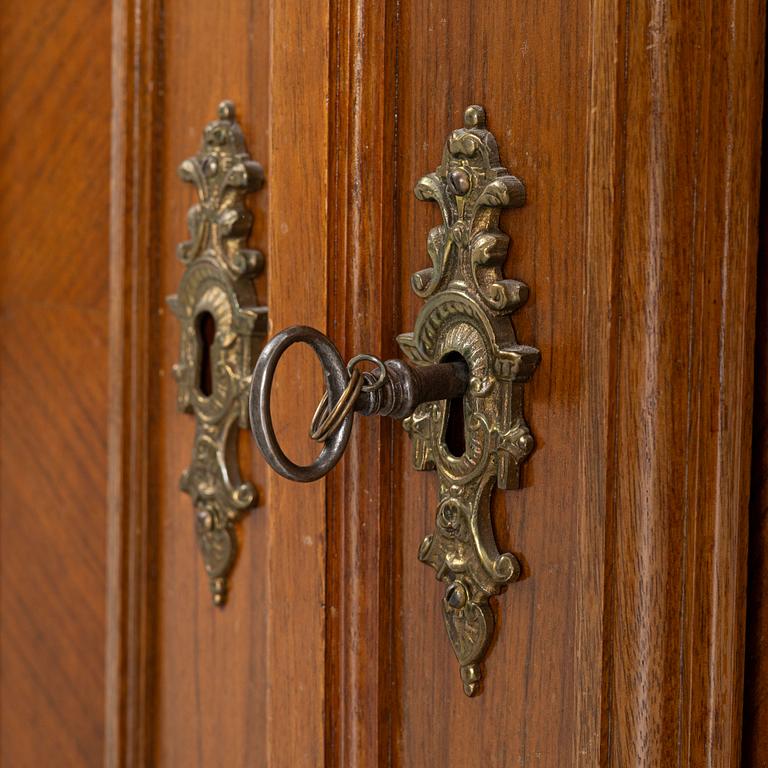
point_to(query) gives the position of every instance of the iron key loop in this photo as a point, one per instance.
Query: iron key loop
(396, 391)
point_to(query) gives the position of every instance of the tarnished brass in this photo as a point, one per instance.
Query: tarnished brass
(463, 346)
(220, 324)
(467, 314)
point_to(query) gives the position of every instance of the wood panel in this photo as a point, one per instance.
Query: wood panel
(638, 142)
(298, 256)
(503, 57)
(211, 681)
(54, 230)
(240, 678)
(683, 356)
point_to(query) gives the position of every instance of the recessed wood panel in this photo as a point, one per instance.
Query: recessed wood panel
(54, 271)
(211, 662)
(500, 55)
(635, 137)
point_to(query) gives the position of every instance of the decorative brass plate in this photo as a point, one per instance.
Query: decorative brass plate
(220, 323)
(467, 313)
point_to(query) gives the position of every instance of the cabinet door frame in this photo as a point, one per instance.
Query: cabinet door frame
(662, 506)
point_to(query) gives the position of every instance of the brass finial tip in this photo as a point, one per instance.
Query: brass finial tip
(474, 116)
(470, 676)
(227, 110)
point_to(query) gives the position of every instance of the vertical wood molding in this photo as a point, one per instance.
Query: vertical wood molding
(604, 213)
(136, 68)
(673, 183)
(363, 317)
(297, 269)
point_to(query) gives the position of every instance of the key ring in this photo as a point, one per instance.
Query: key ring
(378, 362)
(325, 422)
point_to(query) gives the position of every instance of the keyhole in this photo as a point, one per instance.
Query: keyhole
(206, 333)
(455, 439)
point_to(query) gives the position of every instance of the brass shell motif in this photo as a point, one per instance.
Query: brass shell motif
(467, 312)
(218, 286)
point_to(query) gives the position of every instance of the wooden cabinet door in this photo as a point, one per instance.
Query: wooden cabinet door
(636, 130)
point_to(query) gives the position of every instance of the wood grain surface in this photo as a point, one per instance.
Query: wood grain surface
(197, 685)
(363, 316)
(54, 272)
(298, 276)
(685, 283)
(211, 663)
(623, 643)
(528, 66)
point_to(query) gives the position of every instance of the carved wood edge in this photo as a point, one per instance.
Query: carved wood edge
(131, 531)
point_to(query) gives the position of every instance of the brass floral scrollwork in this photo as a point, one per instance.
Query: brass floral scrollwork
(467, 313)
(217, 297)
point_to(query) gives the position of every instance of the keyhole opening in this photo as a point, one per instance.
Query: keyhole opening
(206, 333)
(455, 439)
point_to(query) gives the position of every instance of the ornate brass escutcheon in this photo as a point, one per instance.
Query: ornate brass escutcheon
(467, 313)
(463, 352)
(220, 324)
